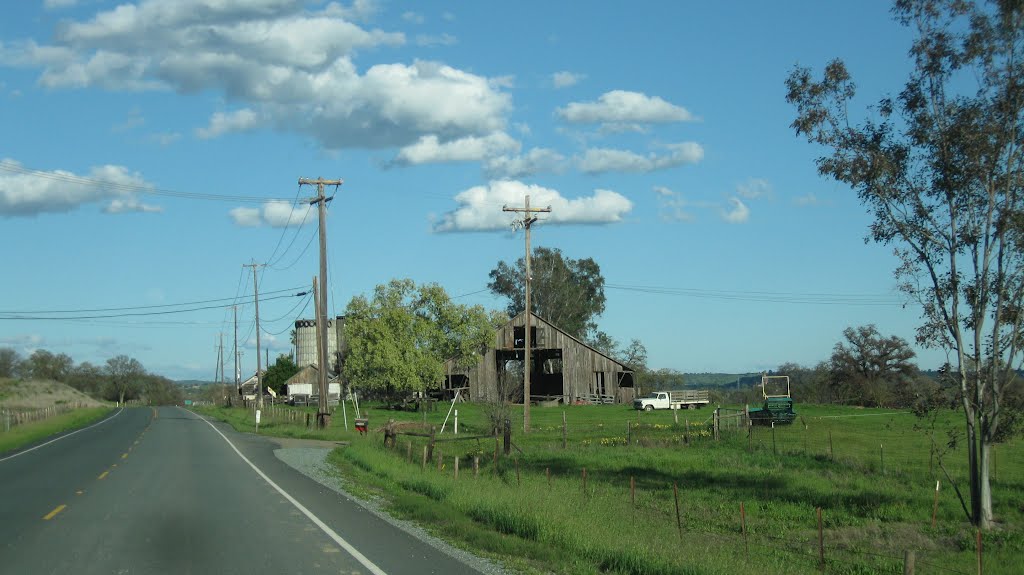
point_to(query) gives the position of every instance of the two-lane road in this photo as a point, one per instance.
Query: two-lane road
(161, 490)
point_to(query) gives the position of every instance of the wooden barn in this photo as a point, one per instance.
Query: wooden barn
(562, 368)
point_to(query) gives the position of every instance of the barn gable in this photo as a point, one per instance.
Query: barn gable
(562, 367)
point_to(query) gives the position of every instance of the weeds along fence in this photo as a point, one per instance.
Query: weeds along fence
(13, 418)
(661, 510)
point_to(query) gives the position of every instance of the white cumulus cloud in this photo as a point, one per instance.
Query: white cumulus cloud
(624, 107)
(565, 79)
(737, 212)
(221, 123)
(25, 192)
(600, 160)
(128, 205)
(275, 213)
(430, 149)
(536, 161)
(279, 63)
(480, 207)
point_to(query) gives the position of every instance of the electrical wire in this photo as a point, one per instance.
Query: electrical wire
(284, 231)
(129, 314)
(140, 307)
(761, 296)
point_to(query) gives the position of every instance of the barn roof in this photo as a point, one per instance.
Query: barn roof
(519, 319)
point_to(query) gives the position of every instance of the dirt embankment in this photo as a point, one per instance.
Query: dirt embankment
(20, 395)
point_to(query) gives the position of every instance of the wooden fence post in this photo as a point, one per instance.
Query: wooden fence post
(440, 460)
(508, 437)
(408, 446)
(908, 562)
(565, 430)
(821, 543)
(456, 468)
(675, 415)
(717, 422)
(430, 446)
(935, 505)
(979, 552)
(743, 529)
(679, 520)
(831, 453)
(423, 465)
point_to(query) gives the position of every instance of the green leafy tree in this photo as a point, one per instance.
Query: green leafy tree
(399, 339)
(87, 378)
(10, 363)
(872, 370)
(569, 293)
(125, 375)
(279, 373)
(158, 390)
(43, 364)
(940, 167)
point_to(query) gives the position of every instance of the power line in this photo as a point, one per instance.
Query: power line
(291, 214)
(155, 306)
(133, 188)
(130, 314)
(770, 297)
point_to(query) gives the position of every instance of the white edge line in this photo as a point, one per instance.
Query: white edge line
(63, 436)
(309, 514)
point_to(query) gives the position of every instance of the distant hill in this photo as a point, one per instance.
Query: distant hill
(711, 380)
(194, 383)
(23, 395)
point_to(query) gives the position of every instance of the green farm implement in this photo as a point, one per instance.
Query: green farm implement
(778, 403)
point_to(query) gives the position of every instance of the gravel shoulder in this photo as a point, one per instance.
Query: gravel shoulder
(311, 460)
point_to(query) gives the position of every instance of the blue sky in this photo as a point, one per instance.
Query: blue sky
(657, 131)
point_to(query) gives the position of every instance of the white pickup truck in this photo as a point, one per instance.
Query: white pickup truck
(682, 399)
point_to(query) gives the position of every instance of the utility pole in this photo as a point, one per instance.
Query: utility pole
(526, 222)
(323, 410)
(234, 310)
(256, 299)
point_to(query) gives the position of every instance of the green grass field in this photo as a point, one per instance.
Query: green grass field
(22, 435)
(870, 471)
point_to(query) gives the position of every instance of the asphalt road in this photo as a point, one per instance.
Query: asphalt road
(162, 491)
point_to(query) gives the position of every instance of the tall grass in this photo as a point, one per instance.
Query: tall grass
(870, 515)
(27, 433)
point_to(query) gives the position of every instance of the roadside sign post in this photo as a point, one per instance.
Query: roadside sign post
(257, 421)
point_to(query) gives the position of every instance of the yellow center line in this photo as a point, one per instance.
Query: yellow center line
(79, 492)
(102, 475)
(53, 513)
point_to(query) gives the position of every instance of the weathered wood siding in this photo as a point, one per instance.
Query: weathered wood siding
(580, 364)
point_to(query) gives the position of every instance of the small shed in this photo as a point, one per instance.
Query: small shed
(305, 384)
(563, 368)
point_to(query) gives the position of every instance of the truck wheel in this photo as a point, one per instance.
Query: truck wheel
(691, 406)
(649, 408)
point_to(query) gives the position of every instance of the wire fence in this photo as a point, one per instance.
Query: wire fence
(10, 419)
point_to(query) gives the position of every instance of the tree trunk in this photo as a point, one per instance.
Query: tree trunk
(985, 517)
(974, 471)
(121, 402)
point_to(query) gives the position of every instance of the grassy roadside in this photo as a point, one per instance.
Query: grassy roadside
(28, 433)
(872, 510)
